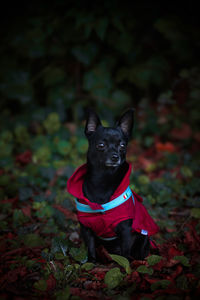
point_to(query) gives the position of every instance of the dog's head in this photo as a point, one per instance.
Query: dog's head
(107, 145)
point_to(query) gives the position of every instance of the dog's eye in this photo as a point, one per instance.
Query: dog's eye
(101, 146)
(122, 146)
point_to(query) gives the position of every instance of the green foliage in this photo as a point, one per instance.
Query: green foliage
(98, 81)
(144, 270)
(33, 240)
(87, 266)
(19, 218)
(195, 212)
(41, 285)
(64, 147)
(183, 260)
(154, 259)
(79, 254)
(122, 261)
(22, 136)
(52, 123)
(63, 294)
(160, 284)
(113, 278)
(42, 155)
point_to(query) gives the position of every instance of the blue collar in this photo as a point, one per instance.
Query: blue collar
(107, 206)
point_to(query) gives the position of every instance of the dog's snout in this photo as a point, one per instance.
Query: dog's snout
(115, 157)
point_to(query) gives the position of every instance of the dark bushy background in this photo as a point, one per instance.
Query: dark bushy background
(67, 55)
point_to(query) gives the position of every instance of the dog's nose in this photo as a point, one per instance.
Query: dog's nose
(115, 157)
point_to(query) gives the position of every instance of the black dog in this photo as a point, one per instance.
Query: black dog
(106, 167)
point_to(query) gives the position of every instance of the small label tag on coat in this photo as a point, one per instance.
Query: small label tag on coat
(144, 232)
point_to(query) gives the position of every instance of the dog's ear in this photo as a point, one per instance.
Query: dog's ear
(126, 122)
(92, 123)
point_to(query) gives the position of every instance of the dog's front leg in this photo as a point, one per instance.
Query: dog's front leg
(124, 232)
(89, 240)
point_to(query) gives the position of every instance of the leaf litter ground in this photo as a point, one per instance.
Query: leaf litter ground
(42, 253)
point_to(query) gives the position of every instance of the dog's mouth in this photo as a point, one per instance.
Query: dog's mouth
(112, 165)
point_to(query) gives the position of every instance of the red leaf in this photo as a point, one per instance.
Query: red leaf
(27, 211)
(134, 277)
(182, 133)
(177, 272)
(197, 136)
(2, 172)
(93, 285)
(68, 213)
(86, 294)
(173, 251)
(192, 241)
(144, 162)
(10, 200)
(160, 265)
(24, 158)
(10, 236)
(51, 282)
(171, 263)
(165, 147)
(13, 275)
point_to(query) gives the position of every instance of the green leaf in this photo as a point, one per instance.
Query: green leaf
(4, 180)
(160, 284)
(59, 245)
(87, 266)
(7, 136)
(41, 285)
(63, 294)
(122, 261)
(19, 218)
(53, 76)
(52, 123)
(145, 270)
(85, 53)
(44, 210)
(82, 145)
(22, 136)
(98, 81)
(183, 260)
(113, 278)
(59, 256)
(154, 259)
(79, 254)
(143, 179)
(195, 213)
(33, 240)
(64, 147)
(169, 27)
(120, 98)
(186, 172)
(100, 27)
(42, 155)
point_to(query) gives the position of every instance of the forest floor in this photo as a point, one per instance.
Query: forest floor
(42, 253)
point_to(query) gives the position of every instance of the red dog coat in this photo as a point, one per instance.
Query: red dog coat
(104, 223)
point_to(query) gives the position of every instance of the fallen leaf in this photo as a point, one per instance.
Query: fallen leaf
(113, 278)
(184, 132)
(165, 147)
(68, 213)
